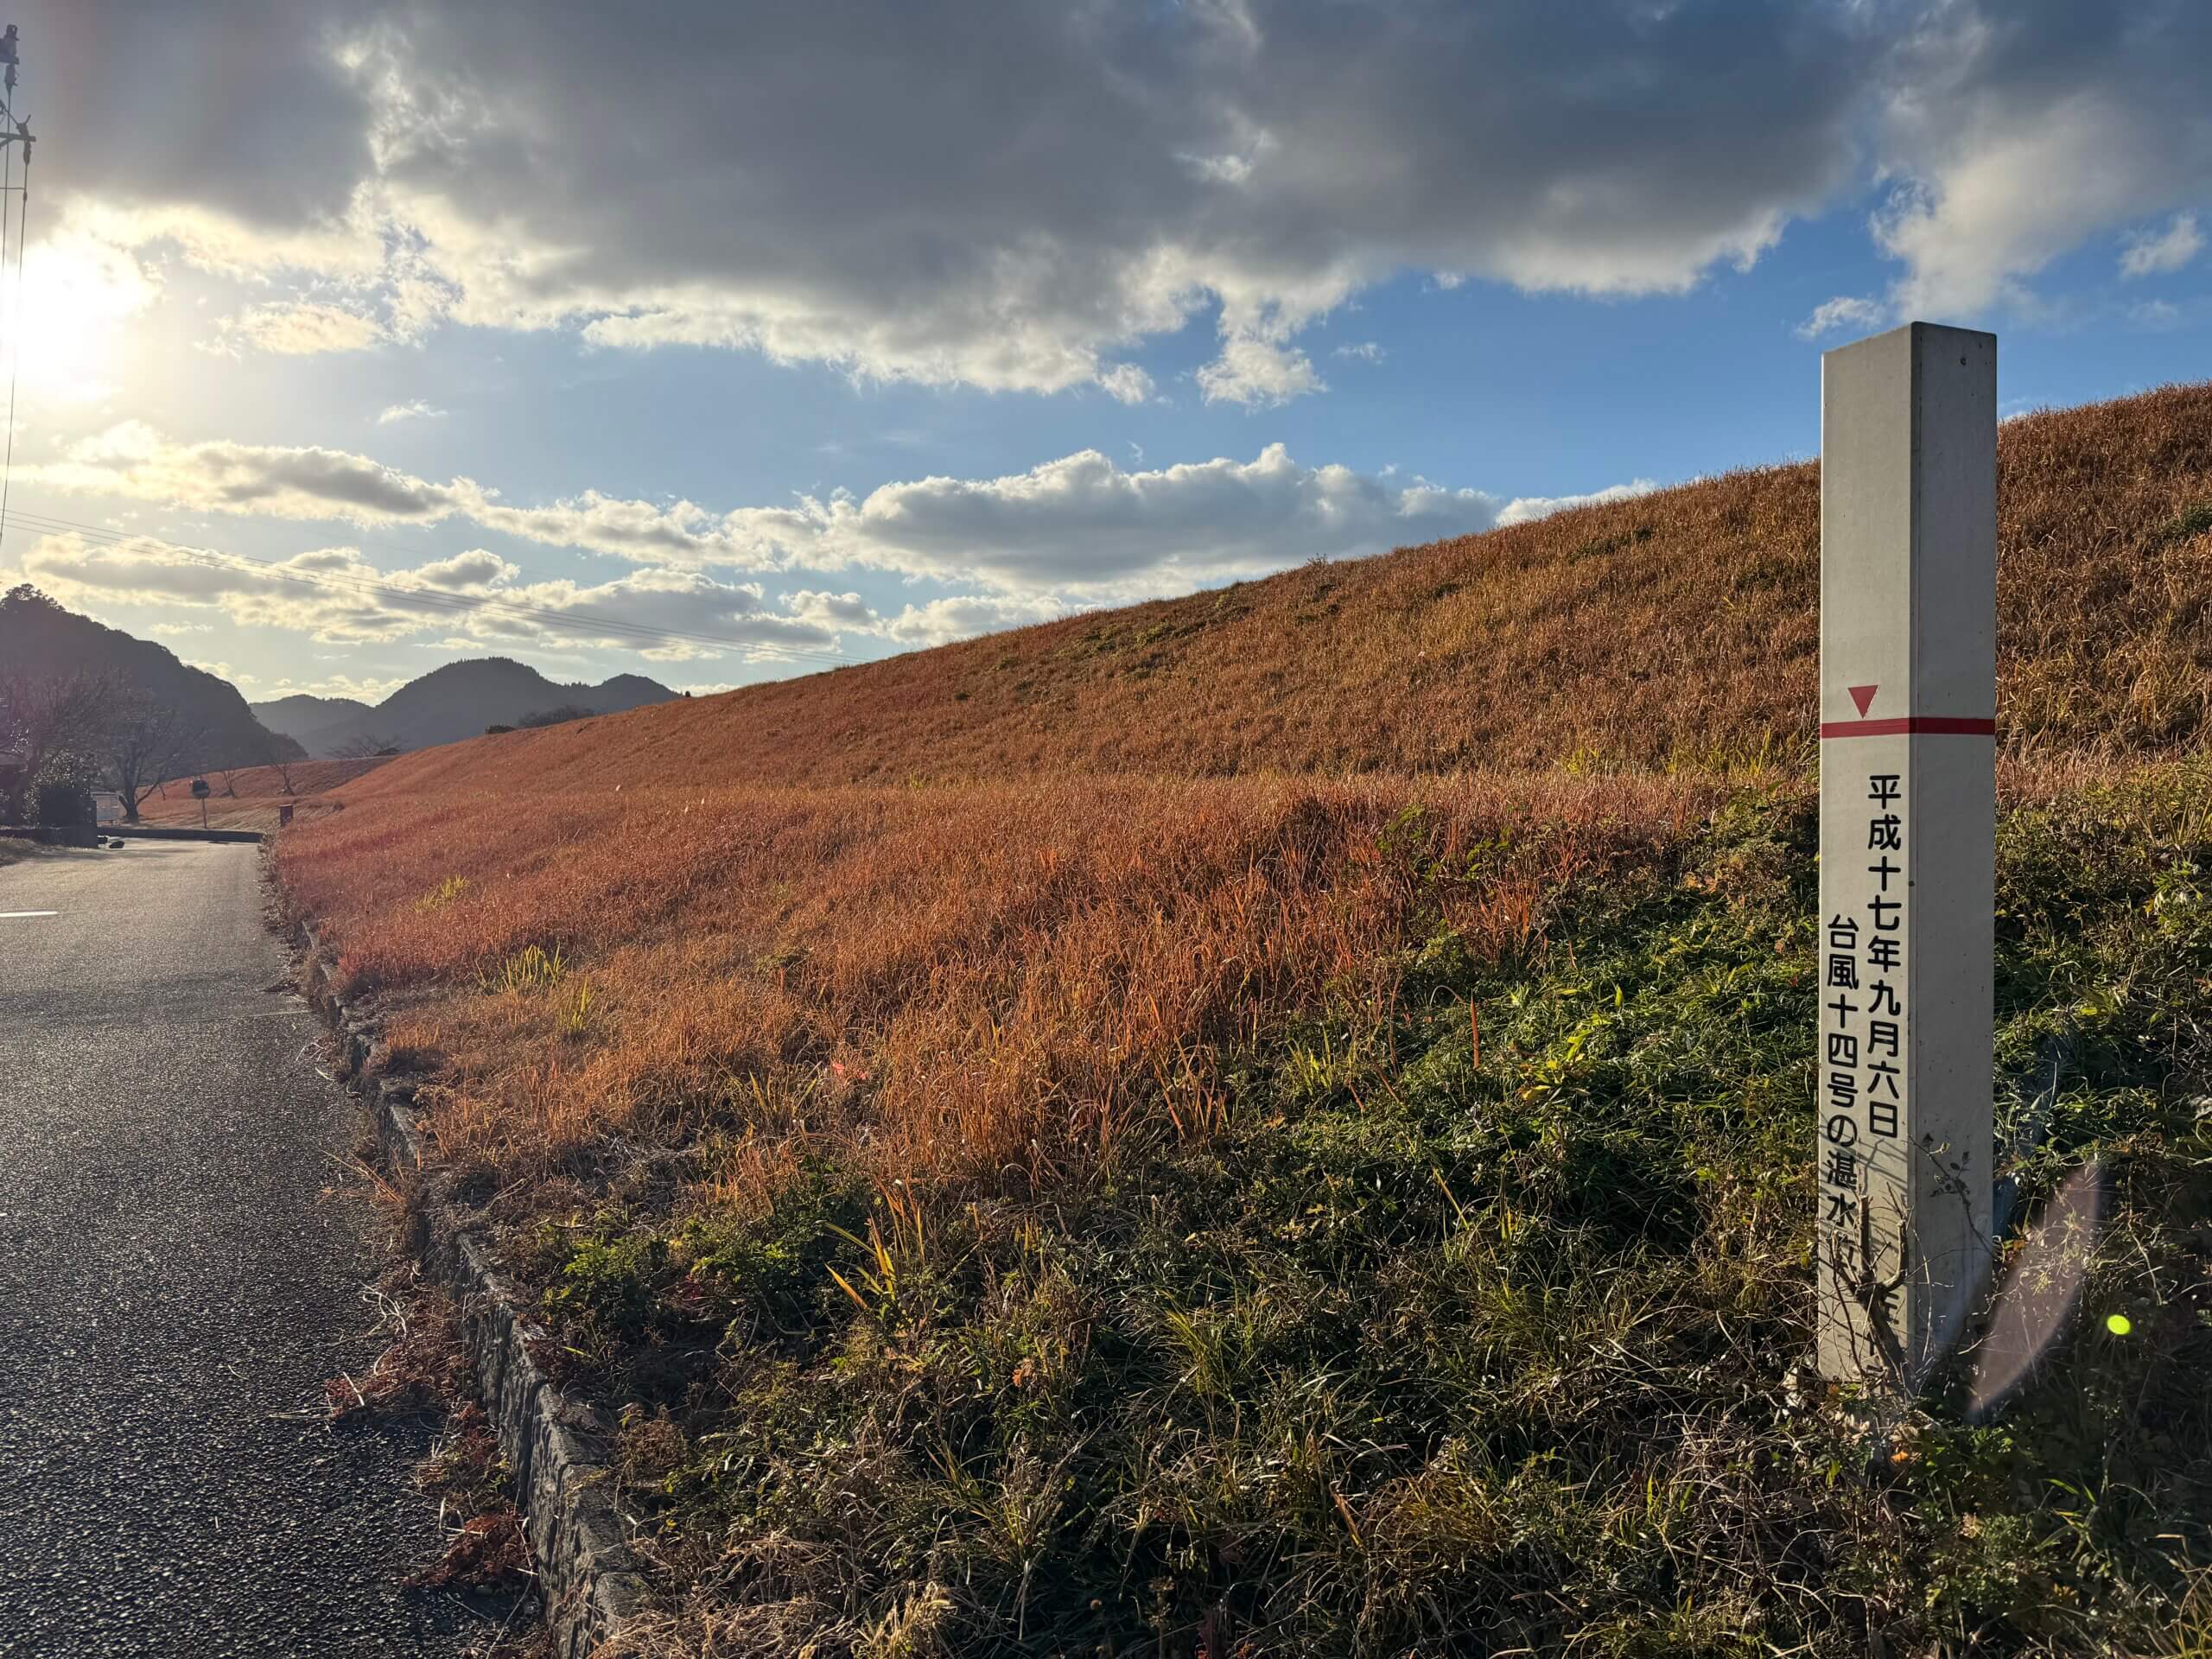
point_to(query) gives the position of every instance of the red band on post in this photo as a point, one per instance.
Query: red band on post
(1909, 725)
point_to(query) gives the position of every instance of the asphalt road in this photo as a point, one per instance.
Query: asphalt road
(176, 1282)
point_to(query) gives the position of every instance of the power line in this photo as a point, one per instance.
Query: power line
(433, 599)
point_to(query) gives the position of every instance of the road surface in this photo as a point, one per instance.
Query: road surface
(175, 1284)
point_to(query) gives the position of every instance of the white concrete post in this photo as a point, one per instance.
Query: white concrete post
(1908, 847)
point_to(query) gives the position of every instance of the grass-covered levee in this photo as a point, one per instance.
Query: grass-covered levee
(1481, 1326)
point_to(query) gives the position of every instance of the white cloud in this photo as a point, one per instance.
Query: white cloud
(1126, 382)
(846, 610)
(1253, 370)
(1365, 352)
(2163, 252)
(942, 620)
(415, 409)
(1842, 312)
(1524, 508)
(133, 459)
(1080, 528)
(2015, 133)
(301, 328)
(334, 594)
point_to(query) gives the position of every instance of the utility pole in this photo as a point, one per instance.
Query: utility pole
(13, 131)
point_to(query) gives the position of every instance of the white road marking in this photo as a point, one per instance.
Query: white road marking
(13, 915)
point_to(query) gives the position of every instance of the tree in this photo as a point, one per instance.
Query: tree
(44, 717)
(145, 738)
(274, 757)
(61, 792)
(367, 746)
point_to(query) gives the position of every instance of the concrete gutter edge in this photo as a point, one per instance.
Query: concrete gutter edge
(587, 1581)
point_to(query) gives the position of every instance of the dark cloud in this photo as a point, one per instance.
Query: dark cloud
(242, 106)
(1011, 194)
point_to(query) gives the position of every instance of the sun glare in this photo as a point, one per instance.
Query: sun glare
(77, 295)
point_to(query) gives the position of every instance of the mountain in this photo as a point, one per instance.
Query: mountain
(300, 716)
(452, 702)
(39, 637)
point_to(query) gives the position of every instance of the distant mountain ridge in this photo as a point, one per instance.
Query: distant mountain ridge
(302, 713)
(448, 703)
(38, 635)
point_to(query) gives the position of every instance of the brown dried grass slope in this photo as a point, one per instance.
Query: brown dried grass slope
(956, 979)
(246, 798)
(1676, 629)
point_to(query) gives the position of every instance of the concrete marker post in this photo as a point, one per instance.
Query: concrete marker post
(1908, 849)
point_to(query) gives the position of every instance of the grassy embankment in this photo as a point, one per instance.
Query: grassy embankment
(1049, 1210)
(246, 798)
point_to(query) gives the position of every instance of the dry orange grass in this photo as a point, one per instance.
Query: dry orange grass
(1013, 967)
(1678, 629)
(246, 798)
(960, 982)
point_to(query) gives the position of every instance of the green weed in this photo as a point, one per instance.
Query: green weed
(531, 968)
(442, 895)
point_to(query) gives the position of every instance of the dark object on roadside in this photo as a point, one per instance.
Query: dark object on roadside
(493, 731)
(114, 843)
(199, 790)
(64, 802)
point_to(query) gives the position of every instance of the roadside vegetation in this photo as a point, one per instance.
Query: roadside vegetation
(1362, 1205)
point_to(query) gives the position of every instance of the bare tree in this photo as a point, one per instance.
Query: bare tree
(281, 763)
(45, 716)
(145, 737)
(367, 746)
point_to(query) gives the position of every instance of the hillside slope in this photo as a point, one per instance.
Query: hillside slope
(1285, 1214)
(40, 637)
(1678, 628)
(459, 700)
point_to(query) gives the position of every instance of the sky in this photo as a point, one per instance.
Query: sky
(721, 343)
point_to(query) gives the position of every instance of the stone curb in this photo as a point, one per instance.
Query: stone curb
(586, 1580)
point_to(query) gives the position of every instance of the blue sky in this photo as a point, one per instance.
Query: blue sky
(838, 340)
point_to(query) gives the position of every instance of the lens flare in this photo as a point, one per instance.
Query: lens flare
(2041, 1290)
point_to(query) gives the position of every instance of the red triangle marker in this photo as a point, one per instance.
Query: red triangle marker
(1864, 697)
